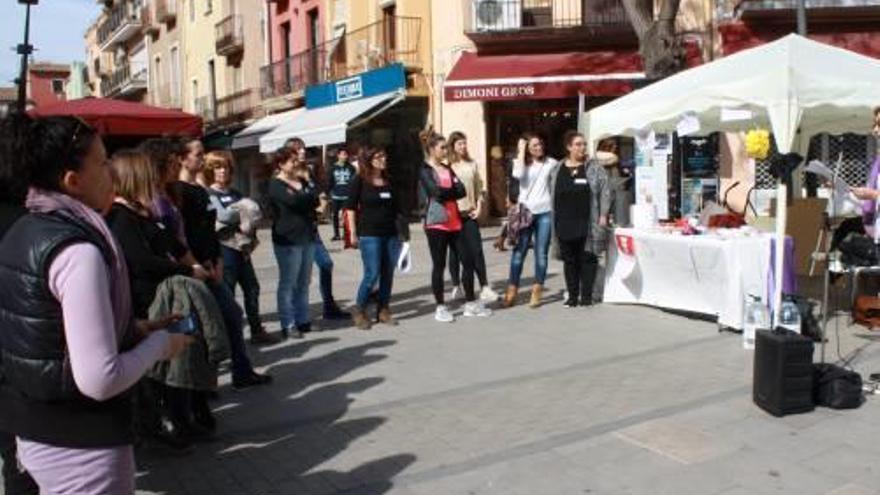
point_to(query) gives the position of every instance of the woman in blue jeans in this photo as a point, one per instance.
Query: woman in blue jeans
(293, 200)
(532, 169)
(373, 210)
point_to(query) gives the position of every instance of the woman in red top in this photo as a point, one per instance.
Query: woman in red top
(439, 189)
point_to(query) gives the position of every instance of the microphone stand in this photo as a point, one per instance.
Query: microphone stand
(829, 258)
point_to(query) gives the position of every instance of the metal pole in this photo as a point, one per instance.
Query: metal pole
(802, 17)
(25, 49)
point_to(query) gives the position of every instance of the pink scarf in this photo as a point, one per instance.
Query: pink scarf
(43, 201)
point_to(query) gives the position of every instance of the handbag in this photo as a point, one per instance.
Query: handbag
(519, 218)
(836, 387)
(858, 250)
(436, 213)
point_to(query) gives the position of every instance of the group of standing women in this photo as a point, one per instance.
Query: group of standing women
(565, 204)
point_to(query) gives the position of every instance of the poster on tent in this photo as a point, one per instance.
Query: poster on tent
(660, 162)
(695, 193)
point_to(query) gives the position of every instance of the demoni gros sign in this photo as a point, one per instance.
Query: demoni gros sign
(493, 92)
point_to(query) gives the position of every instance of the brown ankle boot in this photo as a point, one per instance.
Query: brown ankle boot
(386, 317)
(510, 296)
(360, 319)
(535, 301)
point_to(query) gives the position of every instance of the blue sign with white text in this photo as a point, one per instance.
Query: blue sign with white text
(363, 85)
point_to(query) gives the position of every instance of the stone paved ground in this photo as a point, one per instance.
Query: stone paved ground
(606, 400)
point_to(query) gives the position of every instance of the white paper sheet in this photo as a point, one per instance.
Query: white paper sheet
(844, 200)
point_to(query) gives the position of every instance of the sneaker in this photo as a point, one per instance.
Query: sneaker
(304, 328)
(251, 380)
(570, 303)
(457, 292)
(487, 295)
(443, 315)
(476, 308)
(336, 238)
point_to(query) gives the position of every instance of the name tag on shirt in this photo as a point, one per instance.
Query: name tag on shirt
(226, 199)
(581, 182)
(385, 195)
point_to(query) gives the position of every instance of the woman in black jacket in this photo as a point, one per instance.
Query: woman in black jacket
(293, 200)
(439, 189)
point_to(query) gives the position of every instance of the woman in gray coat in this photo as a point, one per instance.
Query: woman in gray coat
(581, 204)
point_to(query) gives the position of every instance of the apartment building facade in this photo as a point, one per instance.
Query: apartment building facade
(164, 29)
(117, 52)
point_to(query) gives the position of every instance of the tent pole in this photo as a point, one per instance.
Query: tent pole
(779, 251)
(802, 17)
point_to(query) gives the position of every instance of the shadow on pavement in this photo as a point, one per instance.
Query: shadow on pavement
(277, 439)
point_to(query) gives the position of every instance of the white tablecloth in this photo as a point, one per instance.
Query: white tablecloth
(701, 274)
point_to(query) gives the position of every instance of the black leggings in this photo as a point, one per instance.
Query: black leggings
(439, 242)
(472, 241)
(580, 269)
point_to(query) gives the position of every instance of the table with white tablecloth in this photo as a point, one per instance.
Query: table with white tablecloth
(705, 274)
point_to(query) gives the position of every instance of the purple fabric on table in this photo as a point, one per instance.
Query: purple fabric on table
(869, 206)
(789, 279)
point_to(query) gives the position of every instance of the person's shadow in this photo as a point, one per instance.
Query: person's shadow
(272, 439)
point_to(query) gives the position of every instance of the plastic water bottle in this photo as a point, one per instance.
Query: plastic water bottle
(757, 318)
(790, 316)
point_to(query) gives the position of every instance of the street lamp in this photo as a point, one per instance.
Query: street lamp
(25, 49)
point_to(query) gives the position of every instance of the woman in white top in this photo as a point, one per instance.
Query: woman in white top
(532, 169)
(471, 207)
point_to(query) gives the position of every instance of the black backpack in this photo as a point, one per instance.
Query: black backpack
(836, 387)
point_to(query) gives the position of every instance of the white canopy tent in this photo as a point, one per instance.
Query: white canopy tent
(794, 86)
(791, 84)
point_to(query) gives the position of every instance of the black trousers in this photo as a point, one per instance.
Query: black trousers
(580, 268)
(15, 482)
(472, 241)
(338, 205)
(439, 243)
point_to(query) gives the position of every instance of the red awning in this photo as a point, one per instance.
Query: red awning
(124, 118)
(555, 75)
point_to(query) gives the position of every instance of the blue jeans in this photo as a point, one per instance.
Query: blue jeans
(379, 255)
(295, 274)
(540, 229)
(239, 270)
(325, 270)
(232, 320)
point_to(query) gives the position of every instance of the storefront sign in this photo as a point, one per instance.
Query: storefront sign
(364, 85)
(461, 91)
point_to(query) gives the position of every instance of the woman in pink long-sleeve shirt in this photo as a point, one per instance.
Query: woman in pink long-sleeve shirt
(89, 283)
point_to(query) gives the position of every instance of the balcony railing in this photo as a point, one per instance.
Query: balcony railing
(239, 106)
(149, 24)
(515, 15)
(395, 40)
(204, 108)
(125, 81)
(810, 4)
(121, 24)
(229, 36)
(166, 11)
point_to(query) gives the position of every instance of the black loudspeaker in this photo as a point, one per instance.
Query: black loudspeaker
(783, 378)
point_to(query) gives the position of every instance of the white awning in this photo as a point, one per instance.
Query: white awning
(327, 125)
(250, 135)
